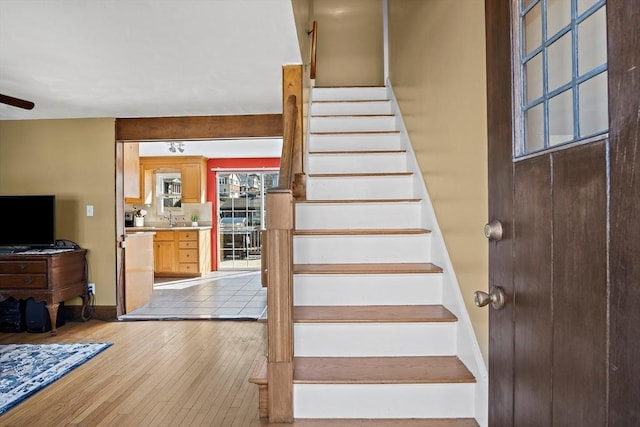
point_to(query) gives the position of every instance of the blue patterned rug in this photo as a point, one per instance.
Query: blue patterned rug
(27, 368)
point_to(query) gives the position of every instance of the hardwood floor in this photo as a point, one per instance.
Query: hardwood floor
(187, 373)
(163, 373)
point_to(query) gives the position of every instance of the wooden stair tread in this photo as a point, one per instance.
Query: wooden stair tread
(259, 374)
(387, 268)
(360, 201)
(380, 370)
(372, 314)
(361, 232)
(315, 153)
(380, 422)
(359, 132)
(357, 174)
(354, 115)
(352, 100)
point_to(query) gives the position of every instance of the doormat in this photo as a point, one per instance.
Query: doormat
(28, 368)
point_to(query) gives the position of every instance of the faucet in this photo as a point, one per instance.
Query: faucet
(172, 221)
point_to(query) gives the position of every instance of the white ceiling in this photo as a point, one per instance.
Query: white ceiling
(219, 148)
(145, 58)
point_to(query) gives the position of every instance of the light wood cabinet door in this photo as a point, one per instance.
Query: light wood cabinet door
(132, 173)
(191, 183)
(165, 257)
(192, 191)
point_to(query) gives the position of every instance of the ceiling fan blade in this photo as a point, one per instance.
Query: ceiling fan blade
(16, 102)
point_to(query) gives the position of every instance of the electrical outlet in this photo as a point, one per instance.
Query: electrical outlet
(92, 288)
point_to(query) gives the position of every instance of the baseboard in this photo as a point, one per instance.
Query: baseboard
(107, 313)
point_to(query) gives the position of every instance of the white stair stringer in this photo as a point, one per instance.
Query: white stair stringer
(364, 205)
(468, 347)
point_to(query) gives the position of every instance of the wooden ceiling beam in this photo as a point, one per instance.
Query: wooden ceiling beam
(198, 127)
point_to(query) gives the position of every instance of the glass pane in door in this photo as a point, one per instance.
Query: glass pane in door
(559, 62)
(241, 213)
(562, 86)
(594, 114)
(558, 15)
(533, 29)
(592, 41)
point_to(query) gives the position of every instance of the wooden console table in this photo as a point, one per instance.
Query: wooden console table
(51, 276)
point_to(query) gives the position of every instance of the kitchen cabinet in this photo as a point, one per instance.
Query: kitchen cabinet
(188, 256)
(193, 171)
(183, 252)
(132, 173)
(164, 257)
(194, 182)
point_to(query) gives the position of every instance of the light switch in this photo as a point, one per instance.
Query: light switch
(89, 210)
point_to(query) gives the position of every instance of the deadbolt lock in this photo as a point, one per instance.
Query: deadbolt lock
(493, 230)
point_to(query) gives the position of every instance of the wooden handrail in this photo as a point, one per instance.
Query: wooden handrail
(288, 144)
(314, 45)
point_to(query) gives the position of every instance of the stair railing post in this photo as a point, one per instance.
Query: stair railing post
(292, 85)
(279, 271)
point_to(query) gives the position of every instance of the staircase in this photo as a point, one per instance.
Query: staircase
(372, 338)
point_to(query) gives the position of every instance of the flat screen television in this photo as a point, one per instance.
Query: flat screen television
(28, 221)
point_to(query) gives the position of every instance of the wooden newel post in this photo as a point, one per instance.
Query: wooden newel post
(279, 266)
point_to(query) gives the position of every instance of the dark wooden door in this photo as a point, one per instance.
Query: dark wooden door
(565, 349)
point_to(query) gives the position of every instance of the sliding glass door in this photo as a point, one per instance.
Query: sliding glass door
(241, 217)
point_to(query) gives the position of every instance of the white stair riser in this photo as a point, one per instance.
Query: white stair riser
(352, 124)
(360, 187)
(349, 93)
(383, 400)
(374, 339)
(367, 289)
(357, 163)
(354, 142)
(350, 108)
(311, 216)
(391, 248)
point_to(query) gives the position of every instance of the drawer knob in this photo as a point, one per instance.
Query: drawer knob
(28, 281)
(21, 266)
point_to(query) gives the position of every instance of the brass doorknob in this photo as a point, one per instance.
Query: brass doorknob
(495, 297)
(493, 230)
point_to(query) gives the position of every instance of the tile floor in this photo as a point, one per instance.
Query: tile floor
(220, 295)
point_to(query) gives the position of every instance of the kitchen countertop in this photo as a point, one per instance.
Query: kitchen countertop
(166, 228)
(139, 232)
